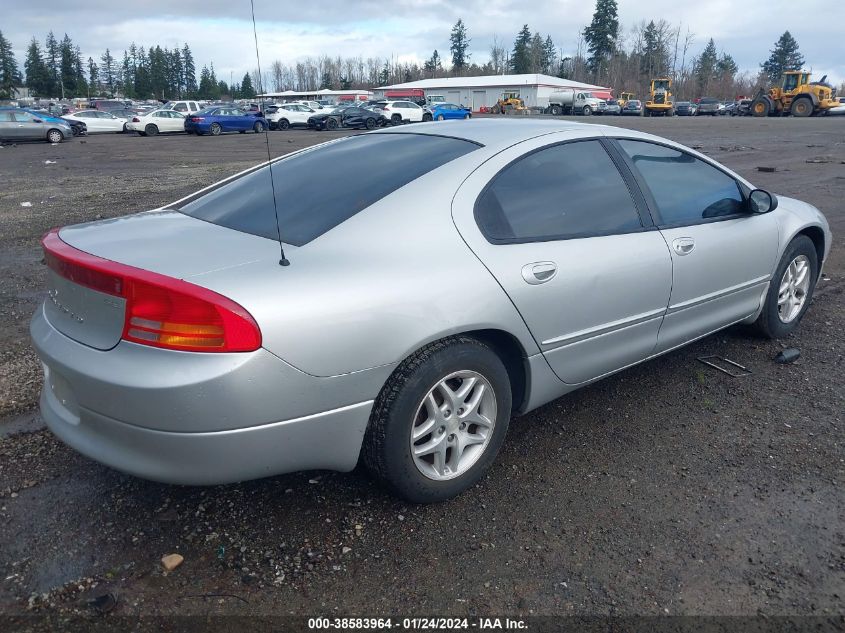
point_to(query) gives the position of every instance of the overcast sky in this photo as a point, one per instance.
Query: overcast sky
(220, 31)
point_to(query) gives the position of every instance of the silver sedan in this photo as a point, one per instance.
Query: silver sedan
(448, 279)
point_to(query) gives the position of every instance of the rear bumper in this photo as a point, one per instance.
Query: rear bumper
(328, 440)
(198, 418)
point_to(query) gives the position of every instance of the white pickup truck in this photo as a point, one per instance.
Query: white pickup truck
(571, 102)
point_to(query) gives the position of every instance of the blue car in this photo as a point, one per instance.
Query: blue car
(444, 111)
(220, 119)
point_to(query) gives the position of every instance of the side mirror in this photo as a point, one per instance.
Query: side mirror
(38, 120)
(761, 201)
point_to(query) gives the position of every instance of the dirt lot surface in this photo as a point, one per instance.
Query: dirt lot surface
(668, 488)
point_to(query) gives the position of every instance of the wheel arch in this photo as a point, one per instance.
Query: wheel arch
(513, 355)
(816, 234)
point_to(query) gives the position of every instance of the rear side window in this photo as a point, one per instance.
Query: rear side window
(564, 191)
(318, 189)
(687, 190)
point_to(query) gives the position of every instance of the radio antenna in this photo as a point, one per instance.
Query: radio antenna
(283, 261)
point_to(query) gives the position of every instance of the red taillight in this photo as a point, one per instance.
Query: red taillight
(135, 119)
(196, 119)
(160, 311)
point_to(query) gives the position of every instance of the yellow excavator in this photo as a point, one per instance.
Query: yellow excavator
(509, 103)
(796, 95)
(624, 98)
(660, 98)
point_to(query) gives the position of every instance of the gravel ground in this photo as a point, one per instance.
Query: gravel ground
(668, 488)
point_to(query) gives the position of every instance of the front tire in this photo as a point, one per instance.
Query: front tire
(790, 290)
(440, 420)
(55, 136)
(586, 110)
(370, 123)
(440, 117)
(801, 107)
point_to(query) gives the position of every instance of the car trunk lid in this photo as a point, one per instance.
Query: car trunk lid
(85, 300)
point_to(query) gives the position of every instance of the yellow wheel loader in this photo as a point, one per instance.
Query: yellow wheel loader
(797, 96)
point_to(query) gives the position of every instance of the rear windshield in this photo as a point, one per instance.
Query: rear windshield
(318, 189)
(709, 101)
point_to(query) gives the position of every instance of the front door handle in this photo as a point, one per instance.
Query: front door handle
(683, 245)
(539, 272)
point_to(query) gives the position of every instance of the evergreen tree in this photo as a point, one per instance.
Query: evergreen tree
(726, 67)
(345, 83)
(521, 55)
(51, 61)
(248, 92)
(434, 64)
(142, 87)
(459, 46)
(601, 36)
(189, 72)
(705, 68)
(222, 89)
(93, 77)
(654, 59)
(785, 56)
(207, 87)
(37, 75)
(549, 62)
(108, 72)
(384, 75)
(125, 79)
(536, 53)
(10, 76)
(67, 67)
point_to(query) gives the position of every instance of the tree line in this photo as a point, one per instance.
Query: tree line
(57, 69)
(604, 54)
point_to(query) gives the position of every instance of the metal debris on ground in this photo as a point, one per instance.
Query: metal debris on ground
(713, 361)
(768, 170)
(789, 355)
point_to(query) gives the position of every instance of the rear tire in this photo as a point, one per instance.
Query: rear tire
(283, 124)
(396, 119)
(801, 107)
(426, 118)
(216, 129)
(150, 130)
(258, 128)
(770, 322)
(396, 414)
(556, 111)
(440, 117)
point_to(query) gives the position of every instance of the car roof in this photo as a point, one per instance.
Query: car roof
(492, 132)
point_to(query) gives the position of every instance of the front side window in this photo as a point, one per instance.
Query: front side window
(365, 169)
(686, 189)
(565, 191)
(5, 116)
(24, 117)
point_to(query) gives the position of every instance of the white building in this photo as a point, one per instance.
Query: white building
(474, 92)
(335, 96)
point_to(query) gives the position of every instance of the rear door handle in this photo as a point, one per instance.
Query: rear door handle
(539, 272)
(683, 245)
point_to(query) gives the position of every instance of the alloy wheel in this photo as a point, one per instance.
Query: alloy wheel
(453, 425)
(794, 288)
